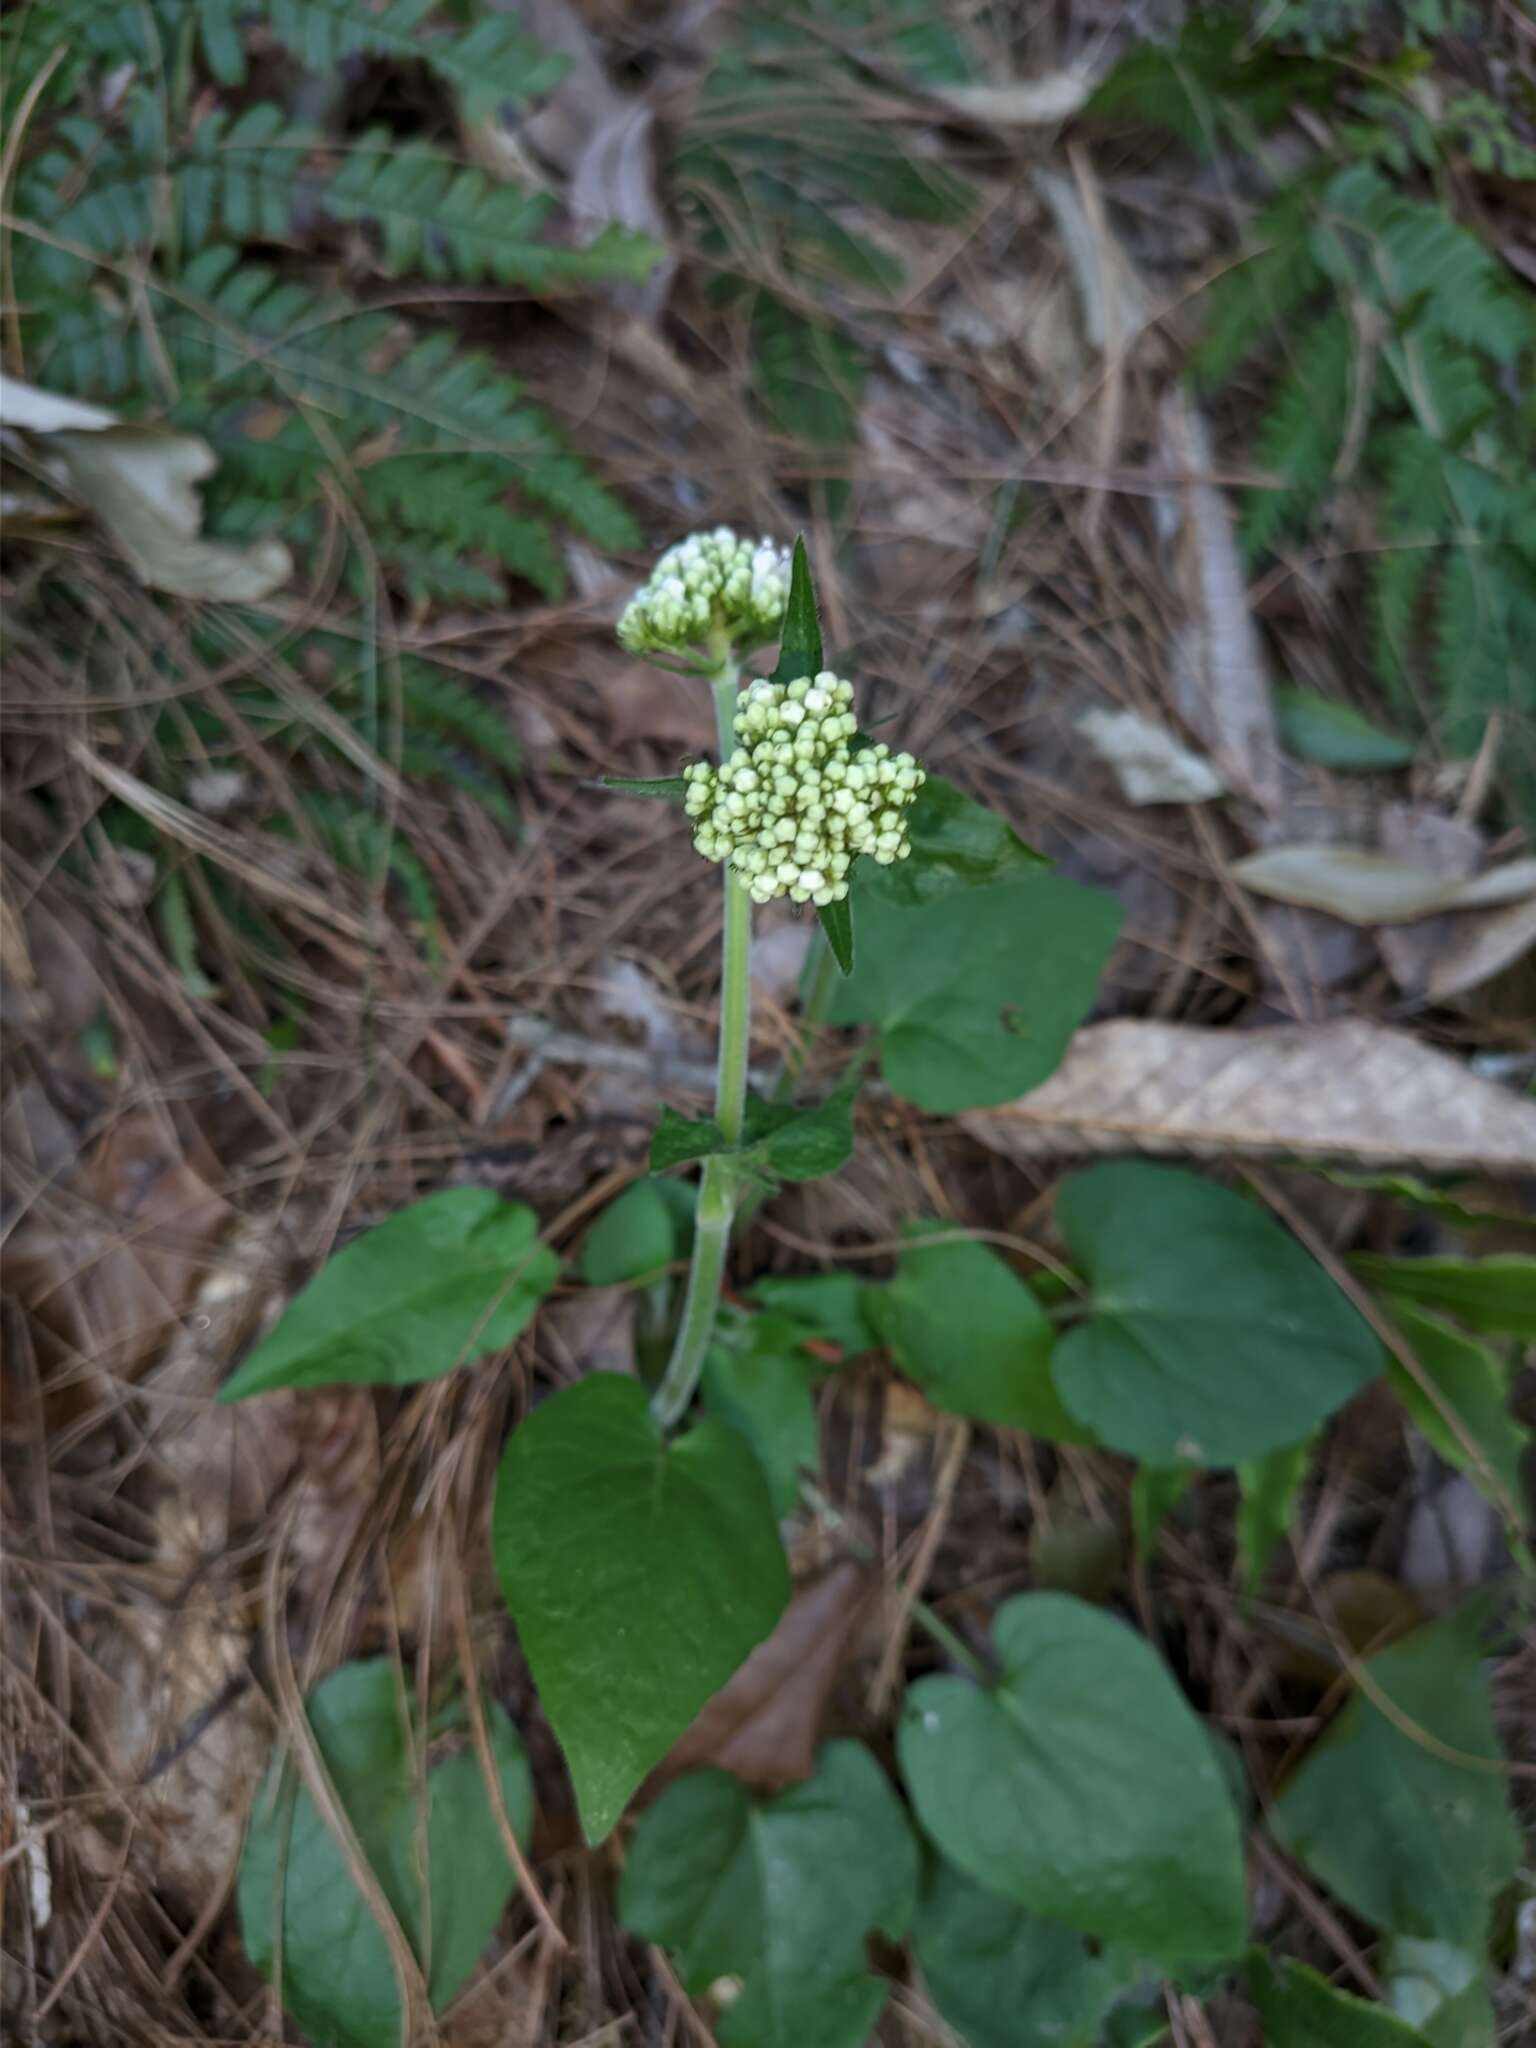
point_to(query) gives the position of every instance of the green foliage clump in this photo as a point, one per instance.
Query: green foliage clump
(780, 156)
(136, 260)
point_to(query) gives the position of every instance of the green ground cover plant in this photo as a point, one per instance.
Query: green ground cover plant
(1059, 1834)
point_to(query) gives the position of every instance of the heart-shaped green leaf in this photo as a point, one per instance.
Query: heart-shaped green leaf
(640, 1575)
(446, 1875)
(977, 992)
(1006, 1978)
(758, 1379)
(1081, 1786)
(1214, 1336)
(973, 1336)
(456, 1275)
(957, 843)
(1410, 1839)
(639, 1234)
(777, 1896)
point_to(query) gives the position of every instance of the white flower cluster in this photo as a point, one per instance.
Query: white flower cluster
(707, 583)
(792, 805)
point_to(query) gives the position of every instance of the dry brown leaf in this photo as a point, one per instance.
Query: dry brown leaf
(765, 1724)
(1366, 888)
(1482, 944)
(1020, 102)
(108, 1269)
(1221, 690)
(141, 483)
(1350, 1090)
(1447, 846)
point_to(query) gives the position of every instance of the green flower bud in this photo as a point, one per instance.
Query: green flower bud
(793, 822)
(709, 583)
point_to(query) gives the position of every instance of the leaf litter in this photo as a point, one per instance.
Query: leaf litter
(144, 1523)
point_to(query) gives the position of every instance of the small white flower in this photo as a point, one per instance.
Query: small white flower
(708, 583)
(791, 808)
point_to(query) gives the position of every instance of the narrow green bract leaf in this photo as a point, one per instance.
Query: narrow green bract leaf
(1496, 1294)
(1411, 1841)
(1489, 1445)
(640, 1575)
(800, 651)
(1214, 1336)
(297, 1895)
(1268, 1488)
(778, 1896)
(1081, 1786)
(836, 921)
(456, 1275)
(1300, 2009)
(976, 994)
(670, 789)
(1335, 735)
(1003, 1977)
(969, 1331)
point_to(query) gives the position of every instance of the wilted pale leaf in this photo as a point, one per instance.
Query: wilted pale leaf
(1370, 888)
(140, 482)
(1149, 763)
(1351, 1090)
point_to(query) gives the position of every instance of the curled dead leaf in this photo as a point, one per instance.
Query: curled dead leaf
(1365, 888)
(141, 483)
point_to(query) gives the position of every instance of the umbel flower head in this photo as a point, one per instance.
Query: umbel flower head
(792, 805)
(711, 582)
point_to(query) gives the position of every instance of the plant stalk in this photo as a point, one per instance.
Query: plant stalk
(717, 1186)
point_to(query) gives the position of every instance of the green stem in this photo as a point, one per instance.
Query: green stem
(717, 1186)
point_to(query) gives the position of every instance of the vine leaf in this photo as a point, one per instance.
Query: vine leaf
(444, 1871)
(456, 1275)
(778, 1896)
(1187, 1276)
(640, 1575)
(1043, 1789)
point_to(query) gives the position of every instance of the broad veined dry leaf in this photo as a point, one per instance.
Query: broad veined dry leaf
(140, 482)
(1371, 888)
(765, 1724)
(1150, 764)
(1350, 1090)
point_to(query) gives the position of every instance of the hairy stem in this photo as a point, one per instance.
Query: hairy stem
(717, 1187)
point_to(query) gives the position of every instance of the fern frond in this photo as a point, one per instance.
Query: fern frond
(444, 220)
(367, 845)
(489, 65)
(1247, 303)
(429, 762)
(437, 702)
(810, 376)
(460, 504)
(1300, 436)
(1444, 385)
